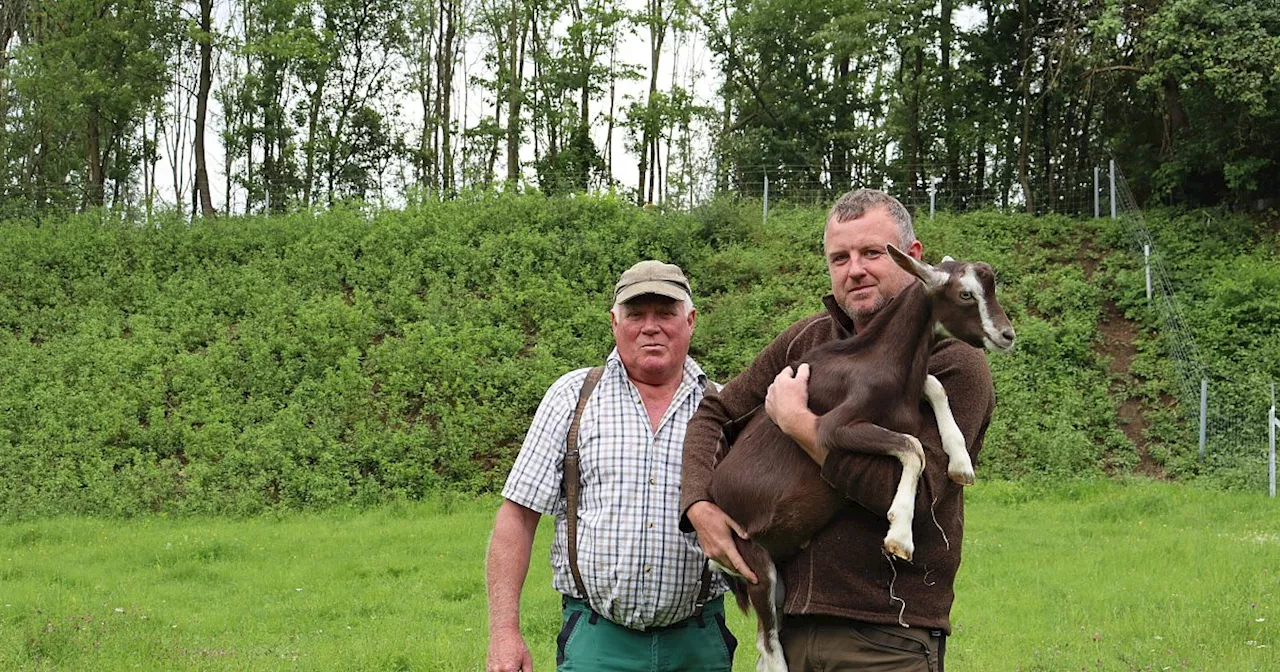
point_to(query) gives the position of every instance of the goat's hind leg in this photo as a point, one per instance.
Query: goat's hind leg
(899, 540)
(839, 432)
(959, 466)
(766, 599)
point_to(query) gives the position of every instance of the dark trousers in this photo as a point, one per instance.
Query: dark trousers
(835, 644)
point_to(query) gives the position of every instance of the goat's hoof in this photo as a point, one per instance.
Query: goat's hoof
(773, 663)
(900, 548)
(961, 476)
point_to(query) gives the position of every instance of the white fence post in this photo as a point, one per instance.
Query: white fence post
(1113, 188)
(933, 191)
(1096, 205)
(1204, 413)
(1146, 258)
(766, 197)
(1272, 423)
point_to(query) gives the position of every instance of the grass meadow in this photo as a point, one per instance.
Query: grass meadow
(1087, 576)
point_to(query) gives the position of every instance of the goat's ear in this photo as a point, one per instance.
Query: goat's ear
(930, 276)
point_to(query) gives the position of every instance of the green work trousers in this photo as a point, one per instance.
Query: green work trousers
(589, 642)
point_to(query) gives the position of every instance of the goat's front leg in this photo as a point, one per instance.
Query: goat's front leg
(959, 466)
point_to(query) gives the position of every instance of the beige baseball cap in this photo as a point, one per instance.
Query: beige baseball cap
(652, 277)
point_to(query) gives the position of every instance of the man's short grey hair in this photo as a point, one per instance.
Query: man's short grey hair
(859, 202)
(686, 303)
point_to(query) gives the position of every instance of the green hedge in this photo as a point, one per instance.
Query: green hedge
(246, 364)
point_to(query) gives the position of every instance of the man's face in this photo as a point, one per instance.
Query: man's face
(863, 275)
(652, 333)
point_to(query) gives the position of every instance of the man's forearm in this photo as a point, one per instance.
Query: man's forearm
(507, 564)
(803, 429)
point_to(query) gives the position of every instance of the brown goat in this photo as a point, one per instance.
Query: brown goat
(866, 391)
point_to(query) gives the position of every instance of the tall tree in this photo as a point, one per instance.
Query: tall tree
(451, 23)
(204, 37)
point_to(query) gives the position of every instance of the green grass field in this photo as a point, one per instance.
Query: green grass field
(1093, 576)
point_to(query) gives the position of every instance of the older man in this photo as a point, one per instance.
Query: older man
(637, 592)
(845, 600)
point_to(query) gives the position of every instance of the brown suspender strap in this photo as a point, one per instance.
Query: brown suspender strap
(573, 479)
(573, 488)
(705, 591)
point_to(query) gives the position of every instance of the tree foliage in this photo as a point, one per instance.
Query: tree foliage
(1011, 103)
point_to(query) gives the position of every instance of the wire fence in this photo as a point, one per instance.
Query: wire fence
(1226, 402)
(925, 187)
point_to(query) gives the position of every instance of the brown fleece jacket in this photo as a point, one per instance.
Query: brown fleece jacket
(843, 571)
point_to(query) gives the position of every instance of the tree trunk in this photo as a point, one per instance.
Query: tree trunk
(585, 61)
(273, 129)
(155, 159)
(449, 10)
(840, 171)
(1049, 133)
(148, 170)
(227, 162)
(514, 94)
(980, 172)
(425, 159)
(202, 106)
(313, 121)
(657, 32)
(1024, 145)
(1083, 159)
(11, 16)
(915, 139)
(1175, 116)
(246, 116)
(613, 97)
(94, 191)
(950, 143)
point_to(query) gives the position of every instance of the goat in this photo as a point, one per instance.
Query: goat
(775, 491)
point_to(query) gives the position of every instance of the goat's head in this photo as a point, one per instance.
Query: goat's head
(964, 296)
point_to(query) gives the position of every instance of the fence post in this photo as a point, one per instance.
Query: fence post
(1204, 413)
(1146, 258)
(933, 191)
(766, 197)
(1272, 423)
(1113, 188)
(1096, 205)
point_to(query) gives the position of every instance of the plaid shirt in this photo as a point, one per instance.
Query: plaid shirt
(640, 570)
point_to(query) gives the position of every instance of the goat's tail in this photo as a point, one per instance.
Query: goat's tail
(739, 587)
(737, 584)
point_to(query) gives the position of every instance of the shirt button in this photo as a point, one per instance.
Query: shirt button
(647, 568)
(651, 526)
(653, 481)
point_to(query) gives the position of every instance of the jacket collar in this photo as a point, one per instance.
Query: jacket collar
(844, 324)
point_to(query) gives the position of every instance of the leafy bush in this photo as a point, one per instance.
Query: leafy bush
(249, 364)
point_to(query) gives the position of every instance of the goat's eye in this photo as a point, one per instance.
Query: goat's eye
(966, 295)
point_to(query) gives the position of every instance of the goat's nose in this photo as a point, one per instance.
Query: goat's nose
(1007, 334)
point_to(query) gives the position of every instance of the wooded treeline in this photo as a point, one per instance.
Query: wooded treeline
(1008, 102)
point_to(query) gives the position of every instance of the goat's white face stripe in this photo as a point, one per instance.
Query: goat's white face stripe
(970, 282)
